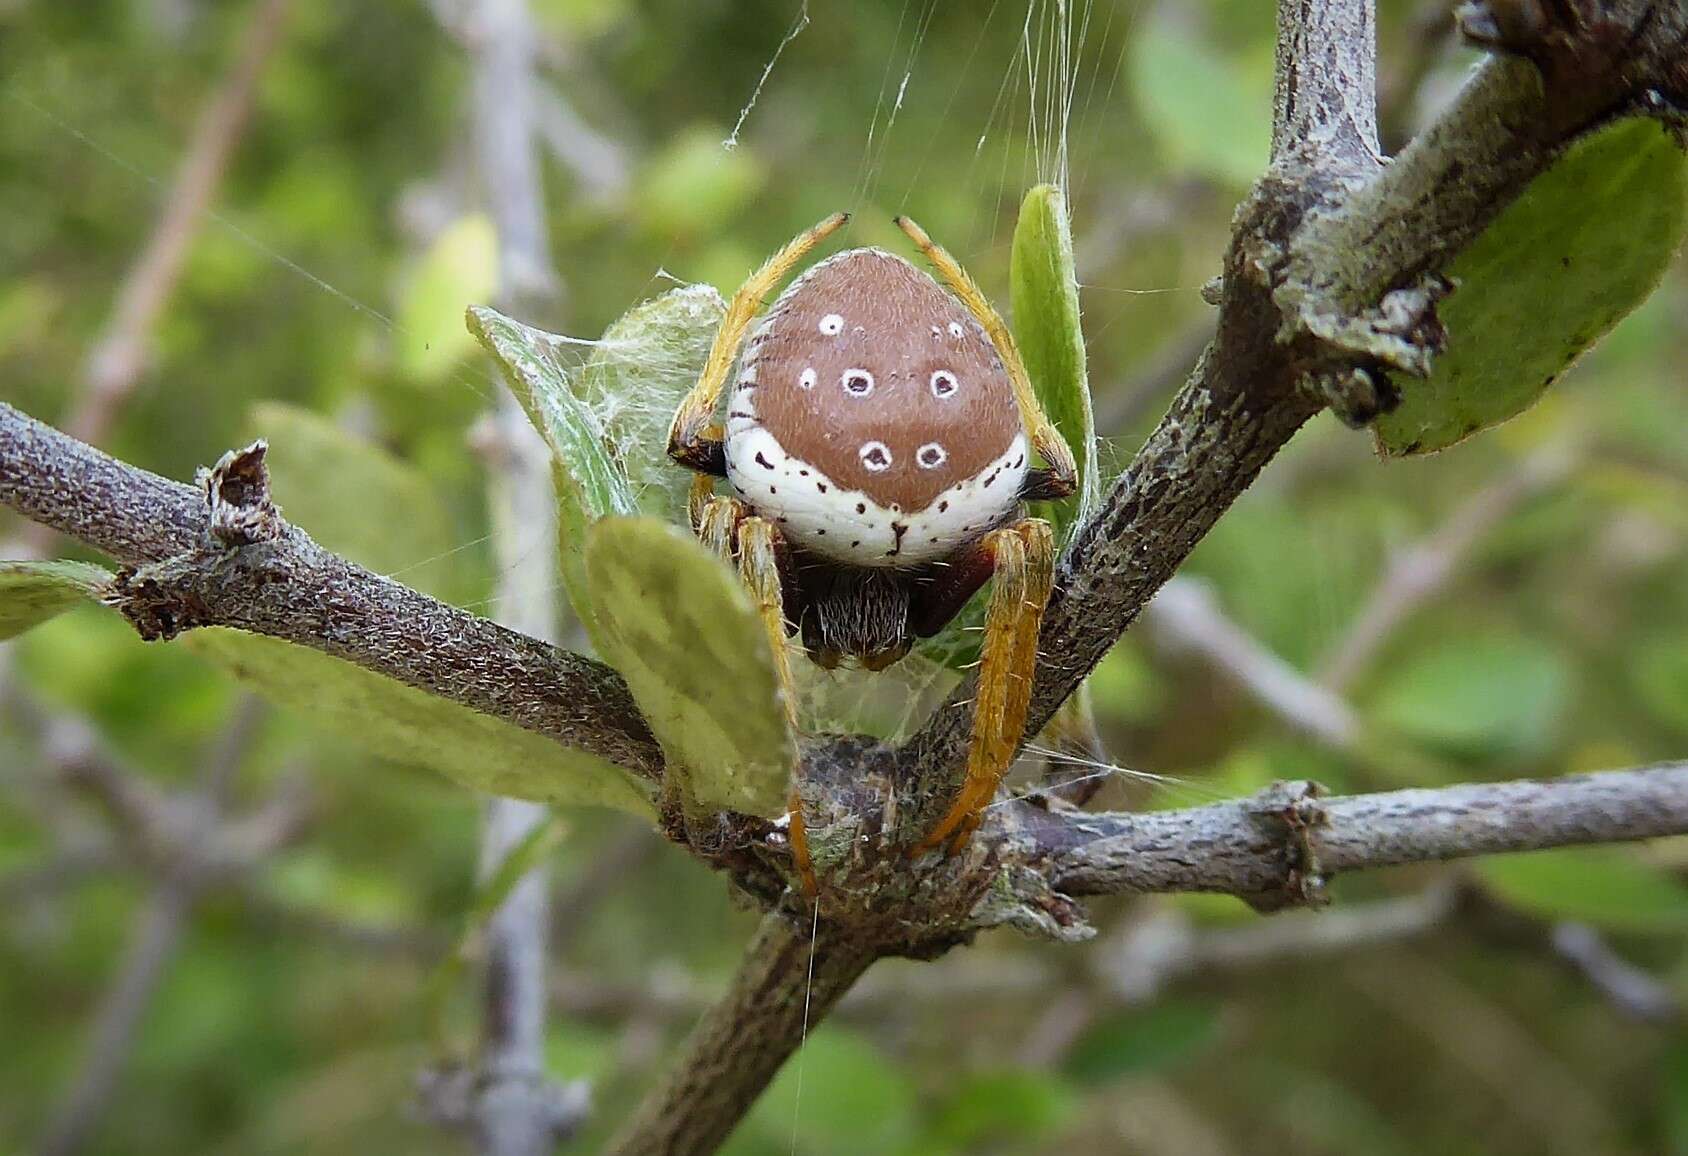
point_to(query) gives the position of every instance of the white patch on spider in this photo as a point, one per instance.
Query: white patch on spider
(876, 456)
(931, 456)
(832, 325)
(944, 383)
(807, 378)
(814, 512)
(936, 332)
(856, 383)
(955, 329)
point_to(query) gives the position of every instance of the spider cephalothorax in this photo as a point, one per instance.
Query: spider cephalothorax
(878, 444)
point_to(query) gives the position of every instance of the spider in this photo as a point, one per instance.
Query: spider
(877, 449)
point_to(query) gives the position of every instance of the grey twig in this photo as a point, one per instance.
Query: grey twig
(1251, 846)
(290, 588)
(785, 983)
(1325, 103)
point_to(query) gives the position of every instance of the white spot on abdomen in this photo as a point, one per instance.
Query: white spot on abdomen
(816, 514)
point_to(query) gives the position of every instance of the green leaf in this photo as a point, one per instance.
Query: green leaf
(1047, 328)
(460, 268)
(357, 499)
(411, 726)
(33, 592)
(679, 626)
(1606, 886)
(1582, 246)
(991, 1107)
(590, 482)
(1152, 1039)
(639, 372)
(1198, 105)
(1495, 695)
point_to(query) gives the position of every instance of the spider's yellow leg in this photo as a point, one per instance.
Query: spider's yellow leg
(698, 499)
(1024, 572)
(759, 567)
(1045, 438)
(726, 527)
(691, 428)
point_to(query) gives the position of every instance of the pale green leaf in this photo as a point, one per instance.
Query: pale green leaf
(1044, 284)
(679, 626)
(460, 268)
(1606, 886)
(590, 482)
(1582, 246)
(356, 499)
(1206, 118)
(33, 592)
(413, 727)
(1484, 696)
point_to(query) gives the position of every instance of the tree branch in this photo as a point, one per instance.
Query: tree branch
(1258, 847)
(1325, 101)
(1321, 299)
(288, 587)
(780, 990)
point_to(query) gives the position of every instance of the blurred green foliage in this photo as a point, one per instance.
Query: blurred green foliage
(291, 1020)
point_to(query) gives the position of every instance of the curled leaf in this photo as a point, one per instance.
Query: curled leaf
(1044, 285)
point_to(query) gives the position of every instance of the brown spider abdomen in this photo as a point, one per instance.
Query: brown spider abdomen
(873, 419)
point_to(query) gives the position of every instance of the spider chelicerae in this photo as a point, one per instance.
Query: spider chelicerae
(877, 451)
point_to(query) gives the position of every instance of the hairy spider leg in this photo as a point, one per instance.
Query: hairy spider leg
(1022, 574)
(1061, 478)
(694, 439)
(726, 526)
